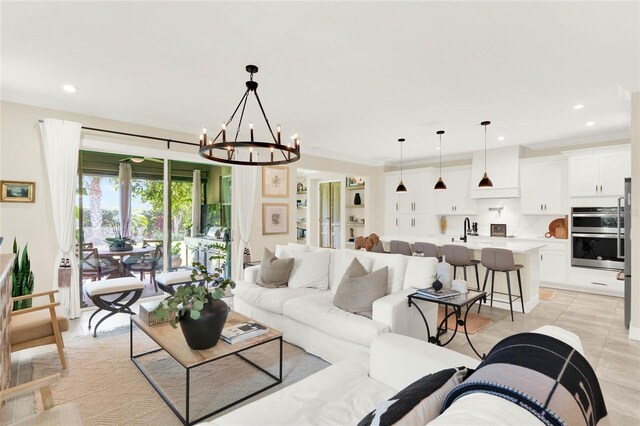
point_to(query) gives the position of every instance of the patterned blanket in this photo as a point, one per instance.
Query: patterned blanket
(543, 375)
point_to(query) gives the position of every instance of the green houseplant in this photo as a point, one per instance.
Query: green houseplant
(176, 250)
(22, 277)
(198, 306)
(119, 242)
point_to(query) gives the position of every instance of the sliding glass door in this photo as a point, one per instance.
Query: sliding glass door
(330, 223)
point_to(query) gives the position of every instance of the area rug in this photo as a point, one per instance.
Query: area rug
(475, 322)
(109, 389)
(546, 294)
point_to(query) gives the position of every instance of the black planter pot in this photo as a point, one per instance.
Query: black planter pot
(121, 246)
(204, 332)
(437, 285)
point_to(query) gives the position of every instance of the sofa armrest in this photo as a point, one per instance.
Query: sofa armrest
(394, 310)
(251, 273)
(398, 361)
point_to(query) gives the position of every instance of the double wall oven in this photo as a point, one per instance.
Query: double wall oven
(598, 237)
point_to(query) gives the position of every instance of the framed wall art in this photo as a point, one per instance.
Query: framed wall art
(17, 192)
(275, 181)
(355, 182)
(275, 218)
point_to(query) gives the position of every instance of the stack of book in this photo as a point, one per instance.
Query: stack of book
(243, 331)
(443, 293)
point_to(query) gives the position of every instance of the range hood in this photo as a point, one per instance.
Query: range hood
(503, 168)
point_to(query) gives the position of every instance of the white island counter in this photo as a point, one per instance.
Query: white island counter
(526, 253)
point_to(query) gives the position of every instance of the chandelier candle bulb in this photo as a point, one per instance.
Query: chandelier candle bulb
(278, 130)
(251, 155)
(272, 155)
(204, 133)
(251, 130)
(202, 139)
(224, 133)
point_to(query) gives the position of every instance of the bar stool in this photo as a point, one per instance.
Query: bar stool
(501, 260)
(400, 247)
(427, 249)
(460, 256)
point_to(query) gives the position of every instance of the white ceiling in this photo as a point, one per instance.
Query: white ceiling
(350, 77)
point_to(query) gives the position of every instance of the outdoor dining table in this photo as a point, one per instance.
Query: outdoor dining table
(118, 258)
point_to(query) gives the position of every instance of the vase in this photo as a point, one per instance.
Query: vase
(357, 200)
(437, 285)
(204, 332)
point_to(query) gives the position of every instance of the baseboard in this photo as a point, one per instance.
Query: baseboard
(583, 289)
(634, 333)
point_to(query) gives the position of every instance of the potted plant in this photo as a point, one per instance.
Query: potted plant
(119, 242)
(198, 307)
(437, 284)
(176, 250)
(22, 277)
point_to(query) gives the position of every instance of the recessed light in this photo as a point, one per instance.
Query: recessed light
(437, 147)
(69, 88)
(500, 138)
(578, 106)
(590, 123)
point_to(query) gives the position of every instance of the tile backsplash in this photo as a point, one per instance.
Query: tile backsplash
(517, 224)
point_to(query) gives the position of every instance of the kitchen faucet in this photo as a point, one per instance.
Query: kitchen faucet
(467, 227)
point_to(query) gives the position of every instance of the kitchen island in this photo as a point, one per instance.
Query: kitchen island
(526, 253)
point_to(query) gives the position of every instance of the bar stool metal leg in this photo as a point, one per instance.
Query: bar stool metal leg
(477, 276)
(509, 291)
(520, 287)
(484, 287)
(465, 272)
(455, 268)
(493, 278)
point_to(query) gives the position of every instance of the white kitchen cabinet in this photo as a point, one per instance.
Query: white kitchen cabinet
(614, 167)
(418, 199)
(543, 187)
(391, 224)
(391, 202)
(599, 172)
(455, 200)
(553, 264)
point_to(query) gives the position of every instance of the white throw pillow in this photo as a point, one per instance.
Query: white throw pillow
(420, 272)
(286, 251)
(310, 269)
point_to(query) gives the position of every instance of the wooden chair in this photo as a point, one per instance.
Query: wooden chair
(156, 243)
(39, 325)
(67, 414)
(93, 266)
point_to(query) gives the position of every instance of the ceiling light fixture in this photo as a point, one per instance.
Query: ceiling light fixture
(440, 183)
(401, 187)
(69, 88)
(590, 123)
(137, 159)
(249, 152)
(500, 138)
(485, 182)
(578, 106)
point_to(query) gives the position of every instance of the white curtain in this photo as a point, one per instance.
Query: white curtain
(243, 191)
(195, 206)
(124, 179)
(60, 145)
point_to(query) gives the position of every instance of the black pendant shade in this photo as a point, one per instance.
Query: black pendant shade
(401, 187)
(485, 182)
(440, 183)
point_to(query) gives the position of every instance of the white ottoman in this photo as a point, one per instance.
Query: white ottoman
(121, 288)
(167, 280)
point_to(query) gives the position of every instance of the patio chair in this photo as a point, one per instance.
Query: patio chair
(65, 414)
(93, 266)
(148, 263)
(39, 325)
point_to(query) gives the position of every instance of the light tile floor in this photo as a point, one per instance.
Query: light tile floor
(598, 320)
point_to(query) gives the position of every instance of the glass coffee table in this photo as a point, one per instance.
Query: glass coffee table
(457, 303)
(172, 342)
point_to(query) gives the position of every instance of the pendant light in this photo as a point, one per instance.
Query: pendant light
(485, 182)
(401, 187)
(440, 183)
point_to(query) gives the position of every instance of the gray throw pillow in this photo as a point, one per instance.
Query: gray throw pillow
(359, 289)
(274, 272)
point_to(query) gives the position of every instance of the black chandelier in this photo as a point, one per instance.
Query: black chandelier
(249, 152)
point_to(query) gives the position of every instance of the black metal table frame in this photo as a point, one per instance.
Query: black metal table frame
(185, 419)
(442, 327)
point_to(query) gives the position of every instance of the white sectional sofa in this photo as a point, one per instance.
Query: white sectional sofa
(345, 392)
(308, 318)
